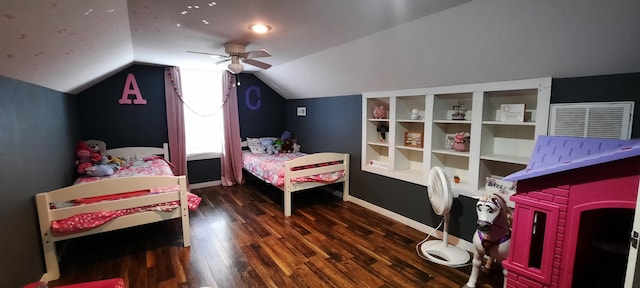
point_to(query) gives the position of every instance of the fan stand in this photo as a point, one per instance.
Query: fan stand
(440, 251)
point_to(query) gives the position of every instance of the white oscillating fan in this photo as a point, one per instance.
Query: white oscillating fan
(441, 196)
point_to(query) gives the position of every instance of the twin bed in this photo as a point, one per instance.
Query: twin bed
(292, 172)
(143, 191)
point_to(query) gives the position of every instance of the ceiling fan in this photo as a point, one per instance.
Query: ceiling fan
(236, 52)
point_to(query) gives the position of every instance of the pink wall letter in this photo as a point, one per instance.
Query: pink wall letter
(131, 87)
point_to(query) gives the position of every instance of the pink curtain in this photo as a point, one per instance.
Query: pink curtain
(175, 121)
(231, 159)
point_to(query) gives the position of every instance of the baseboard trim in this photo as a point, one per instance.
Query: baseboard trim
(464, 244)
(205, 184)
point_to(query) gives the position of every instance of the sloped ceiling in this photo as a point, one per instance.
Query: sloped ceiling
(68, 45)
(323, 47)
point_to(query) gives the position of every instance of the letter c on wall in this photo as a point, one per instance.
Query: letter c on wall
(247, 98)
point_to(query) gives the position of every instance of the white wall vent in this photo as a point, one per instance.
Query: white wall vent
(593, 119)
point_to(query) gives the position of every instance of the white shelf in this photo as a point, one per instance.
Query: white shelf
(495, 147)
(452, 121)
(450, 152)
(410, 148)
(509, 123)
(381, 144)
(506, 158)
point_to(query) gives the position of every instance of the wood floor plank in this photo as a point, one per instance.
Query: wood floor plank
(240, 238)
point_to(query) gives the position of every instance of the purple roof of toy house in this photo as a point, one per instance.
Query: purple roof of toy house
(553, 154)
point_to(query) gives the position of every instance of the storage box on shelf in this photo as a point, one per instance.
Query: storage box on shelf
(491, 147)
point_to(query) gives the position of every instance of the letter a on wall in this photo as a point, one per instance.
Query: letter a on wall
(131, 87)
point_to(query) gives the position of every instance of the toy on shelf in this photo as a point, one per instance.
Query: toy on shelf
(383, 129)
(415, 114)
(459, 112)
(461, 142)
(379, 112)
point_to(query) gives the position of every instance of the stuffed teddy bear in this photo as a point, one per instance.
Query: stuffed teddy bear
(99, 148)
(269, 145)
(287, 142)
(287, 145)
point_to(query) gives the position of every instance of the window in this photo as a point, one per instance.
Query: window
(202, 96)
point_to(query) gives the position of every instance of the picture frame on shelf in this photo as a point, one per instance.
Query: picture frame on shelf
(511, 113)
(449, 140)
(413, 139)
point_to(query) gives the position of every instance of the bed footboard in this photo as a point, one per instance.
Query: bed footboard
(314, 164)
(108, 187)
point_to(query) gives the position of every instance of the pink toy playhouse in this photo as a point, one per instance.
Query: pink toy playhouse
(574, 210)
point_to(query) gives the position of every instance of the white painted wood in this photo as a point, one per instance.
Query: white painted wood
(291, 186)
(496, 149)
(108, 187)
(126, 152)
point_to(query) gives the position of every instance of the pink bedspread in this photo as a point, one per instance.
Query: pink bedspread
(145, 167)
(270, 168)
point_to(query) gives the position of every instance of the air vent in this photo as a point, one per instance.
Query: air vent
(595, 120)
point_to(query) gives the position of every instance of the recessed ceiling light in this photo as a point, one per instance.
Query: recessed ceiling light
(260, 28)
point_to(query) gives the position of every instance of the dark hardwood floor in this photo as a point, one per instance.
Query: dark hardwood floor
(241, 239)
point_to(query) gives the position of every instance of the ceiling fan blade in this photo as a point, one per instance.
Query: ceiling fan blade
(207, 53)
(258, 54)
(257, 63)
(226, 59)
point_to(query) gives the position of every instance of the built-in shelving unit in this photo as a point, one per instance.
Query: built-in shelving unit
(422, 123)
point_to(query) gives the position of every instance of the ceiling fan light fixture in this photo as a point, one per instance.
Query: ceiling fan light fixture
(260, 28)
(235, 68)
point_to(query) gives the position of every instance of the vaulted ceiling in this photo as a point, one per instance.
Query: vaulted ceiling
(68, 45)
(322, 47)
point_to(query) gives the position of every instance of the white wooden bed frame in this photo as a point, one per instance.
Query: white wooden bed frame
(310, 159)
(107, 187)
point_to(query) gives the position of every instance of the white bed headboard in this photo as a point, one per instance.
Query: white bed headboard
(126, 152)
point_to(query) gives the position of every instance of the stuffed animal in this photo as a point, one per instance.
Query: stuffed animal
(101, 170)
(83, 157)
(285, 135)
(269, 145)
(296, 146)
(278, 145)
(379, 112)
(287, 143)
(115, 160)
(99, 148)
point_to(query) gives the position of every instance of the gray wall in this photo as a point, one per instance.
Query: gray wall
(37, 132)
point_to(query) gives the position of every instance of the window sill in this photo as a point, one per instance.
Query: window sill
(203, 156)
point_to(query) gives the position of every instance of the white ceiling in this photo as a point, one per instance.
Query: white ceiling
(323, 48)
(70, 45)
